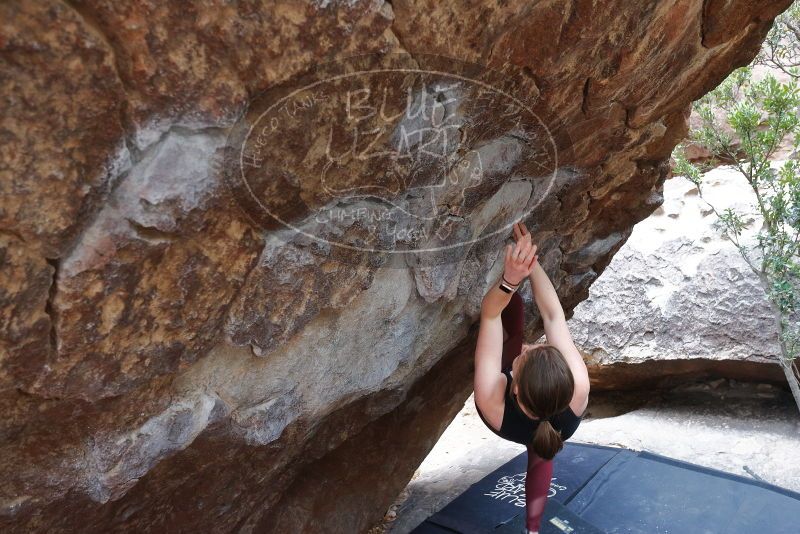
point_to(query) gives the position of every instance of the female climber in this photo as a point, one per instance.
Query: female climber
(539, 396)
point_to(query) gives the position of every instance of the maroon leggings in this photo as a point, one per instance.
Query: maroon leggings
(540, 471)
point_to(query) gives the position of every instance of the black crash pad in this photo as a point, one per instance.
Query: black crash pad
(500, 496)
(646, 493)
(557, 519)
(604, 489)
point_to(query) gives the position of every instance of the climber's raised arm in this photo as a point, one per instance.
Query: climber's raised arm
(545, 294)
(554, 321)
(519, 261)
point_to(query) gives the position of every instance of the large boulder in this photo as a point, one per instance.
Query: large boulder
(172, 361)
(679, 300)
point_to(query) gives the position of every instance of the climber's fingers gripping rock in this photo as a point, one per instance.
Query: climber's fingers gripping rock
(520, 258)
(520, 230)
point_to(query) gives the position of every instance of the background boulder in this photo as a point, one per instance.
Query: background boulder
(678, 300)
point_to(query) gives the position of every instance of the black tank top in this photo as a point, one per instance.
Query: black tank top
(520, 428)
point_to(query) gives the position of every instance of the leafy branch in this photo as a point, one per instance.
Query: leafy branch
(763, 115)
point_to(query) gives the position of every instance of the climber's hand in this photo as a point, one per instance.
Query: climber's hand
(520, 258)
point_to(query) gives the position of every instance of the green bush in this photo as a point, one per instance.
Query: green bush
(763, 114)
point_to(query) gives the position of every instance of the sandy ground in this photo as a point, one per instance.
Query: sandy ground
(747, 429)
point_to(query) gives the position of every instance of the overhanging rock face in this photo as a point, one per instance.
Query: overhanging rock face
(172, 361)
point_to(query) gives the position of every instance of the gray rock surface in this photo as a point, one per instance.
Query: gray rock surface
(677, 289)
